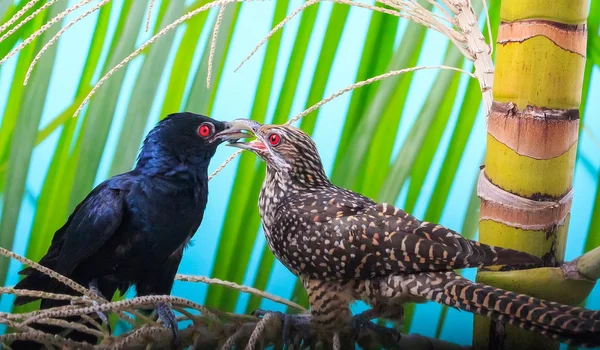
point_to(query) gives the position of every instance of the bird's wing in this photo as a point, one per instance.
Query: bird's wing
(345, 240)
(90, 226)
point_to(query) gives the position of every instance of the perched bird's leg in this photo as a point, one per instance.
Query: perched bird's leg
(300, 323)
(96, 291)
(363, 321)
(393, 313)
(167, 317)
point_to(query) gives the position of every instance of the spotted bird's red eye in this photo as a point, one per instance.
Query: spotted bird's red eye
(274, 139)
(204, 130)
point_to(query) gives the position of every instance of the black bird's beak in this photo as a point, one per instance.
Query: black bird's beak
(231, 133)
(252, 127)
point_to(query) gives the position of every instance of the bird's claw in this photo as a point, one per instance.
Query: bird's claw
(167, 317)
(96, 291)
(298, 323)
(360, 322)
(103, 317)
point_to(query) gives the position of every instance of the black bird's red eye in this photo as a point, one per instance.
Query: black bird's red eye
(274, 139)
(204, 130)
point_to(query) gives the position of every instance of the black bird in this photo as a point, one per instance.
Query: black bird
(346, 247)
(132, 228)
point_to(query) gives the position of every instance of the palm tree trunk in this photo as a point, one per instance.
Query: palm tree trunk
(526, 185)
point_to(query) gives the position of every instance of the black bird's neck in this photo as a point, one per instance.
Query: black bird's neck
(188, 169)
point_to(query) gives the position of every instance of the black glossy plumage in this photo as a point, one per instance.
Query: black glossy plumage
(132, 228)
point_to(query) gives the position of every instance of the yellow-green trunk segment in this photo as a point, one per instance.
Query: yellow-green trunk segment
(526, 185)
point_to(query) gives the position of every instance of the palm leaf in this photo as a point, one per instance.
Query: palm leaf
(142, 97)
(99, 116)
(26, 106)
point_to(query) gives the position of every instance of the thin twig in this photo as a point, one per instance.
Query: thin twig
(43, 29)
(149, 14)
(222, 166)
(258, 331)
(72, 326)
(18, 15)
(162, 32)
(230, 343)
(135, 303)
(275, 29)
(136, 335)
(213, 45)
(63, 279)
(302, 8)
(24, 21)
(369, 81)
(244, 289)
(58, 35)
(343, 91)
(336, 341)
(43, 338)
(44, 295)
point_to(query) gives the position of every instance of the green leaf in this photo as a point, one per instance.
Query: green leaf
(593, 236)
(201, 99)
(52, 206)
(363, 137)
(333, 34)
(99, 116)
(375, 59)
(32, 101)
(13, 104)
(416, 136)
(460, 135)
(387, 107)
(183, 62)
(244, 185)
(433, 136)
(143, 94)
(5, 10)
(85, 82)
(593, 53)
(9, 43)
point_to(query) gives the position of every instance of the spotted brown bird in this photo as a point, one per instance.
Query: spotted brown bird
(131, 229)
(346, 247)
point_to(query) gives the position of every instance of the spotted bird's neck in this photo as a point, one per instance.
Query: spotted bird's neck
(275, 189)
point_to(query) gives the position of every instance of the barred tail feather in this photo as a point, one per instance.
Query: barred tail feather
(515, 258)
(479, 255)
(572, 325)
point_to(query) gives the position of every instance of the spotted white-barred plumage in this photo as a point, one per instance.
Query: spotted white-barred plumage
(346, 247)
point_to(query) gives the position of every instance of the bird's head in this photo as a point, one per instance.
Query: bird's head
(285, 149)
(186, 140)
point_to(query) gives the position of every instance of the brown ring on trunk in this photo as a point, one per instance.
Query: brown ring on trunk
(522, 131)
(570, 37)
(507, 208)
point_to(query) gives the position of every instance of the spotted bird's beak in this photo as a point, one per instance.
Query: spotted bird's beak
(256, 145)
(231, 133)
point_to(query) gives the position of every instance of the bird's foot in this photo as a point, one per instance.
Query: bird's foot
(298, 323)
(96, 291)
(167, 317)
(363, 321)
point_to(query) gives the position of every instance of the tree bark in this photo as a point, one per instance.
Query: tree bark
(526, 185)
